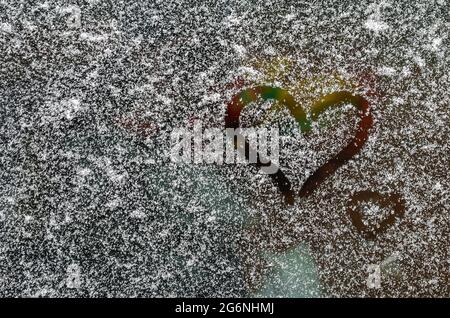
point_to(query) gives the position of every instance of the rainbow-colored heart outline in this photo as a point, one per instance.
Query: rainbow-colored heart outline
(264, 93)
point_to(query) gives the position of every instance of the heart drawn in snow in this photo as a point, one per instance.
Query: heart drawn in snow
(393, 201)
(264, 93)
